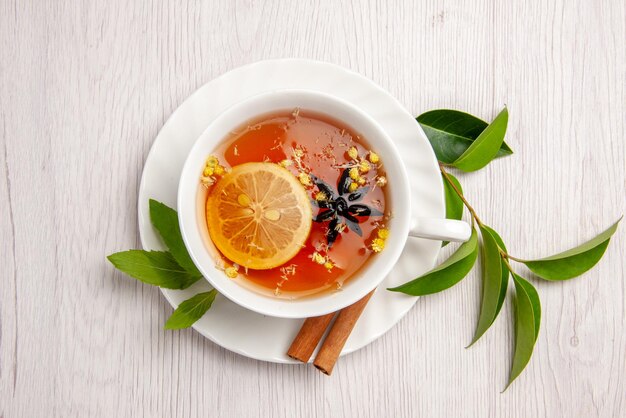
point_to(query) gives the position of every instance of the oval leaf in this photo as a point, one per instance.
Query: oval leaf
(534, 300)
(454, 204)
(451, 133)
(446, 275)
(505, 270)
(165, 220)
(573, 262)
(191, 310)
(157, 268)
(486, 146)
(492, 284)
(527, 321)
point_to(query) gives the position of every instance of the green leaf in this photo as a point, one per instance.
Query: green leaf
(534, 300)
(157, 268)
(527, 322)
(191, 310)
(454, 204)
(451, 133)
(492, 284)
(446, 275)
(165, 220)
(486, 146)
(505, 269)
(573, 262)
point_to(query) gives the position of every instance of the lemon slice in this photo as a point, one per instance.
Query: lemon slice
(258, 215)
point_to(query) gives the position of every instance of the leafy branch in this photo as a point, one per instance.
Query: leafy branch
(173, 269)
(467, 143)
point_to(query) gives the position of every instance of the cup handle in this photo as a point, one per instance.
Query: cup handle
(440, 229)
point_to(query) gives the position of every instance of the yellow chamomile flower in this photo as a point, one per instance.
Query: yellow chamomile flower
(304, 179)
(378, 244)
(381, 181)
(320, 196)
(383, 233)
(329, 265)
(211, 161)
(364, 166)
(231, 272)
(354, 173)
(212, 167)
(219, 170)
(353, 153)
(318, 258)
(373, 157)
(352, 187)
(361, 181)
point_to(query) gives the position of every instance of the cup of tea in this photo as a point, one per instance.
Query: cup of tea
(295, 203)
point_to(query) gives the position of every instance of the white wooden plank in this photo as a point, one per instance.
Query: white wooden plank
(84, 88)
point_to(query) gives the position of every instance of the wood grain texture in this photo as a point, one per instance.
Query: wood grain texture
(84, 89)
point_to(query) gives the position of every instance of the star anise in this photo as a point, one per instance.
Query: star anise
(338, 207)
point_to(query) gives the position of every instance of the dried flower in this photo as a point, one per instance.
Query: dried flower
(353, 186)
(353, 153)
(381, 181)
(304, 179)
(212, 167)
(288, 270)
(378, 245)
(383, 233)
(373, 157)
(354, 173)
(364, 166)
(361, 181)
(231, 272)
(318, 258)
(329, 265)
(320, 196)
(211, 161)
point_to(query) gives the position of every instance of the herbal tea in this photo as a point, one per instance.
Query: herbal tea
(296, 204)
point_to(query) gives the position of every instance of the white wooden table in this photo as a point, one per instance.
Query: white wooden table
(84, 89)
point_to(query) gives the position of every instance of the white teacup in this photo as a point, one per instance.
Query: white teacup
(204, 254)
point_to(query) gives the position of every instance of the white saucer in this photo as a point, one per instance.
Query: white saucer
(246, 332)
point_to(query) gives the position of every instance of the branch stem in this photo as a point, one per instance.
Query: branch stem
(505, 256)
(458, 192)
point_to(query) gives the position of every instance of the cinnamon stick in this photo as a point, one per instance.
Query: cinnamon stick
(309, 337)
(338, 335)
